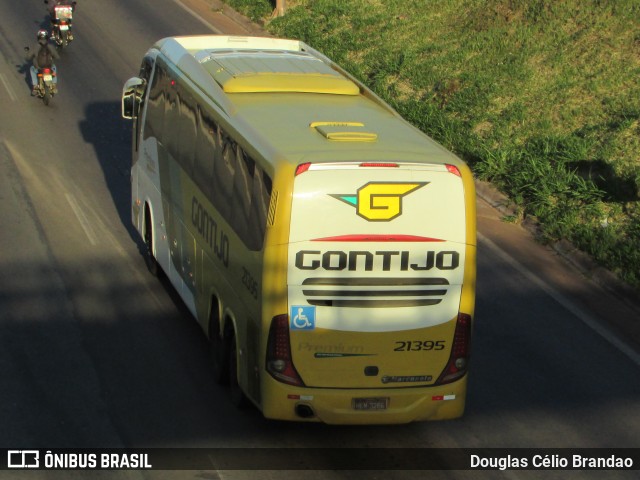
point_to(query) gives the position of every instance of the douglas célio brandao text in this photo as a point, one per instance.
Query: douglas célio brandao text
(548, 461)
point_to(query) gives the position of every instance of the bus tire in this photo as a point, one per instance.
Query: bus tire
(238, 398)
(150, 260)
(218, 348)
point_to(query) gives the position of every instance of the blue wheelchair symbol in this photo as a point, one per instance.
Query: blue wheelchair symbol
(303, 317)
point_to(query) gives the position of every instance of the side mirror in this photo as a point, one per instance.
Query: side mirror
(132, 96)
(46, 1)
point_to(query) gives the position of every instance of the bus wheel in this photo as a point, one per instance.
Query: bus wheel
(238, 397)
(218, 350)
(149, 259)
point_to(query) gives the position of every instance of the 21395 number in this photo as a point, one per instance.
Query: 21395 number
(419, 345)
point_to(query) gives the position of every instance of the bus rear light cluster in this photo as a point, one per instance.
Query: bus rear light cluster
(385, 165)
(453, 169)
(279, 362)
(459, 359)
(303, 167)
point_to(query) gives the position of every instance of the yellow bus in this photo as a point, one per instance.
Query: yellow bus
(326, 246)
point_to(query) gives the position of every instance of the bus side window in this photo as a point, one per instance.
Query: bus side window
(223, 176)
(261, 198)
(205, 153)
(244, 167)
(154, 119)
(171, 119)
(187, 130)
(230, 178)
(145, 73)
(146, 68)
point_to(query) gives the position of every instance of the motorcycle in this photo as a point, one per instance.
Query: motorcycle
(44, 80)
(61, 19)
(47, 86)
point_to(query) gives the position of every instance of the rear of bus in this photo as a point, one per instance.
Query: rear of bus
(380, 283)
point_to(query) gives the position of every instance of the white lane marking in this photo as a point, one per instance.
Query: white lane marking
(586, 318)
(194, 14)
(10, 91)
(84, 223)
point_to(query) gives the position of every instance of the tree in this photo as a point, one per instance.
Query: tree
(280, 8)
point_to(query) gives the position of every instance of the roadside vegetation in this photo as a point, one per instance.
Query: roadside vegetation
(540, 97)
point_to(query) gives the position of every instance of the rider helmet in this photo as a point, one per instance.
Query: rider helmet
(42, 36)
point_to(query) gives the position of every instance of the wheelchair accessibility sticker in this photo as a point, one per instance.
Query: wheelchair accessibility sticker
(303, 317)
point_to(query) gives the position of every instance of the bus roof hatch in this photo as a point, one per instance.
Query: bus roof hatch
(344, 131)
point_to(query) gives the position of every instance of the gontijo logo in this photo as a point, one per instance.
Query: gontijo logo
(380, 202)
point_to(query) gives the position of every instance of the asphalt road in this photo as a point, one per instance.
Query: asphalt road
(94, 352)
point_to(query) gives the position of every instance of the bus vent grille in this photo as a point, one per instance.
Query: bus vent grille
(272, 208)
(374, 292)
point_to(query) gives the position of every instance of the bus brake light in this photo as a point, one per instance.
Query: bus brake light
(373, 164)
(453, 169)
(459, 359)
(303, 167)
(279, 361)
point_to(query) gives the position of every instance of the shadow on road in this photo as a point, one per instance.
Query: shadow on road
(110, 135)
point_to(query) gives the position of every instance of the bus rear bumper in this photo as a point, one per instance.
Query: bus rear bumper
(365, 406)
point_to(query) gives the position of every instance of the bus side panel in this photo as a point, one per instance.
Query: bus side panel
(146, 177)
(468, 297)
(227, 271)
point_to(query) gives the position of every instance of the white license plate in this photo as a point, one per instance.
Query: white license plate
(64, 27)
(372, 403)
(47, 78)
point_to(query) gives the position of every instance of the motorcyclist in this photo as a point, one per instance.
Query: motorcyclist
(52, 11)
(43, 57)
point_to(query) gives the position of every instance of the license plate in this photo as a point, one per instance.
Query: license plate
(64, 27)
(47, 78)
(374, 403)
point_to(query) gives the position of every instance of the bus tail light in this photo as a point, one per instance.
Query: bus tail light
(279, 362)
(459, 359)
(303, 167)
(453, 169)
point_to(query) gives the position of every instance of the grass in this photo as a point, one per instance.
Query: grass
(540, 97)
